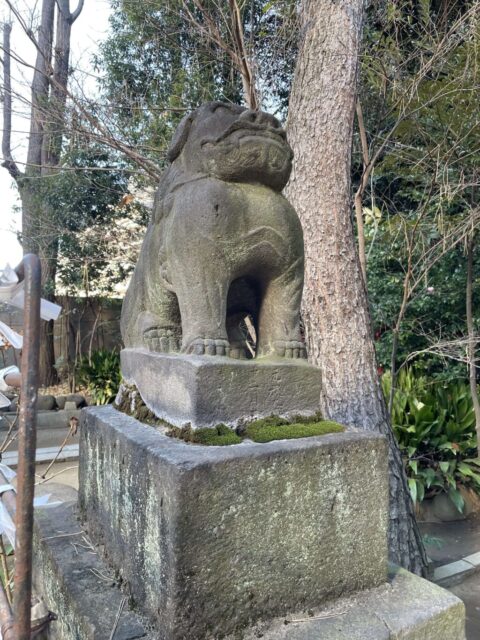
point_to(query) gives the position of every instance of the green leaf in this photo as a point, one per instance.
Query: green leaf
(430, 477)
(457, 499)
(413, 464)
(473, 461)
(420, 491)
(412, 485)
(444, 466)
(447, 446)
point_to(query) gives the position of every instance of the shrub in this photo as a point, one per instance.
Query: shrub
(435, 427)
(100, 374)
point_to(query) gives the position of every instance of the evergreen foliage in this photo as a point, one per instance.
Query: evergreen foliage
(419, 93)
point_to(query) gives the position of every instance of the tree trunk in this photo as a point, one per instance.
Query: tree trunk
(48, 91)
(335, 311)
(472, 342)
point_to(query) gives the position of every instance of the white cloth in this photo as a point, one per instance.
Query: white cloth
(4, 373)
(9, 336)
(7, 525)
(12, 292)
(4, 401)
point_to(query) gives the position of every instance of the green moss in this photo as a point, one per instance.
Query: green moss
(262, 430)
(210, 437)
(277, 421)
(130, 402)
(219, 436)
(258, 431)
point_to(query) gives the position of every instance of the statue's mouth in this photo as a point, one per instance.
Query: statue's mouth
(250, 130)
(249, 136)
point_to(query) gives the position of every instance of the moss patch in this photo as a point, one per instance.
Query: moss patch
(129, 401)
(258, 431)
(218, 436)
(263, 430)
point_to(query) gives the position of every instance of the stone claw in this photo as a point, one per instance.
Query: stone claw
(208, 347)
(290, 349)
(161, 340)
(238, 351)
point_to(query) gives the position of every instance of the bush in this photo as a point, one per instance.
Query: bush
(435, 427)
(100, 374)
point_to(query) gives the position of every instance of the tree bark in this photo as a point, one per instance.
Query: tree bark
(8, 161)
(335, 308)
(472, 341)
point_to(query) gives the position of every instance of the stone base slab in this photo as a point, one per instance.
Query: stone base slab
(207, 390)
(406, 607)
(76, 583)
(211, 539)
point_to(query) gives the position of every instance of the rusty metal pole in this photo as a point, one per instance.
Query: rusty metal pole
(22, 591)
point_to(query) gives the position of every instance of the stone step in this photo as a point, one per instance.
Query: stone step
(81, 590)
(55, 419)
(76, 583)
(407, 607)
(44, 454)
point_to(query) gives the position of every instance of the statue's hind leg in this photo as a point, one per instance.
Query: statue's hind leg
(279, 330)
(201, 287)
(160, 327)
(151, 319)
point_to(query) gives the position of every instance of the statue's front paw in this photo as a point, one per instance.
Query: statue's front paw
(208, 347)
(162, 340)
(290, 349)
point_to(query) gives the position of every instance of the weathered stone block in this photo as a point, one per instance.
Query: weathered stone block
(207, 390)
(406, 607)
(75, 582)
(211, 539)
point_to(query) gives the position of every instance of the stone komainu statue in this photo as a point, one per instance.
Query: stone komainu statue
(223, 242)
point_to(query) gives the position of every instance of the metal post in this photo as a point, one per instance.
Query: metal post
(22, 592)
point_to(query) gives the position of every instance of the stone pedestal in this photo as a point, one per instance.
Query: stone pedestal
(207, 390)
(285, 540)
(212, 539)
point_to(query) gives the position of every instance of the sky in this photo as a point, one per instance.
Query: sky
(89, 29)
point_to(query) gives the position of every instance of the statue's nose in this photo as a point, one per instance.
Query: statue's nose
(260, 117)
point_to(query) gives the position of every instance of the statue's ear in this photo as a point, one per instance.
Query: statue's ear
(180, 137)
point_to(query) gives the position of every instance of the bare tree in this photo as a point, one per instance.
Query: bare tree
(48, 100)
(232, 44)
(337, 322)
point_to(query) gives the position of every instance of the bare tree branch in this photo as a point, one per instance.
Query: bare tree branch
(8, 161)
(77, 12)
